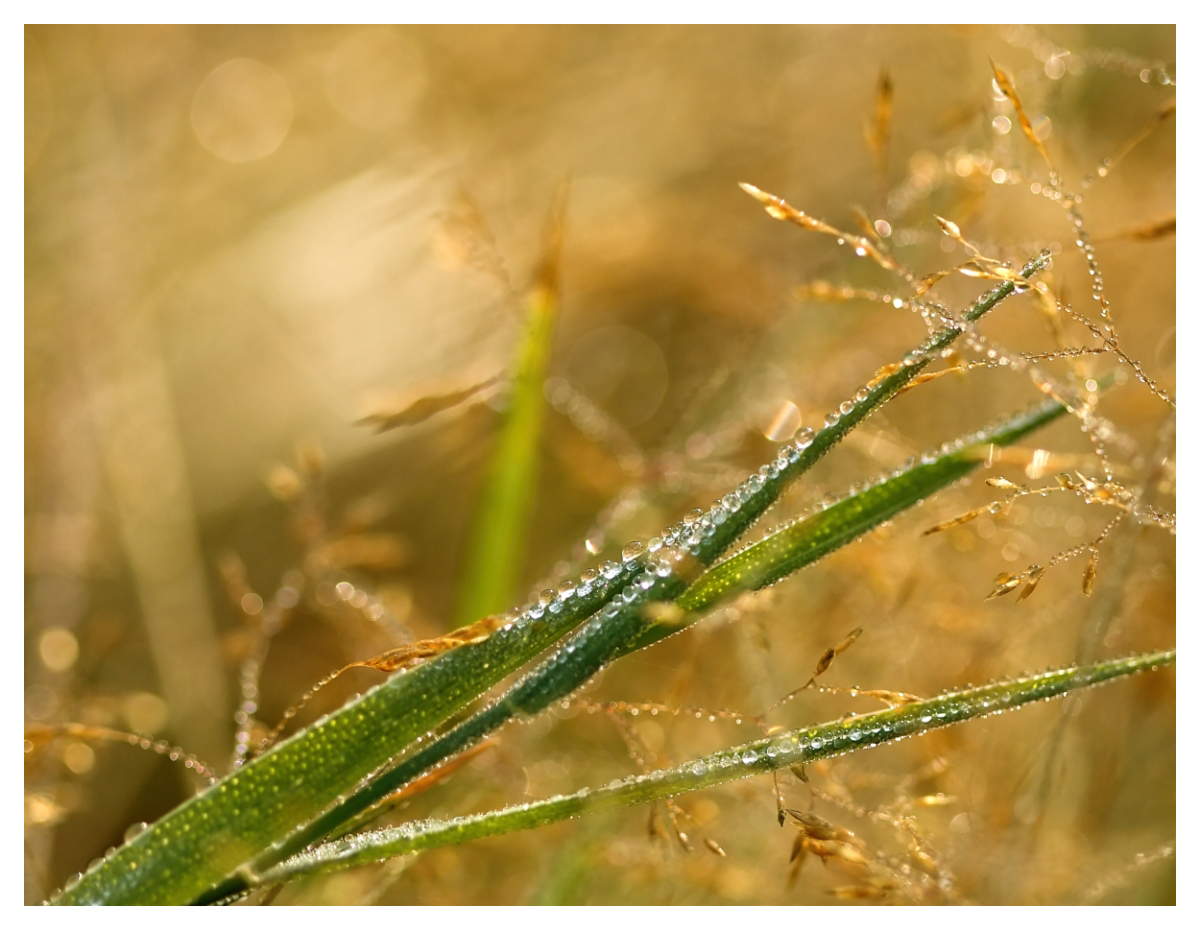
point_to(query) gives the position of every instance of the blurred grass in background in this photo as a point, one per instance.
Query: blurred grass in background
(243, 240)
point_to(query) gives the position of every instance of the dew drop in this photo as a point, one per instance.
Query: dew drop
(632, 550)
(135, 830)
(610, 570)
(804, 437)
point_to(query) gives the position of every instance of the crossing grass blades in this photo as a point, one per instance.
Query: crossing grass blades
(303, 806)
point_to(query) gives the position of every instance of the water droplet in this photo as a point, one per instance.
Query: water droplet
(804, 437)
(831, 419)
(632, 550)
(749, 757)
(610, 570)
(134, 830)
(566, 589)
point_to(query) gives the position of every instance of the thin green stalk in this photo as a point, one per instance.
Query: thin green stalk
(797, 747)
(502, 516)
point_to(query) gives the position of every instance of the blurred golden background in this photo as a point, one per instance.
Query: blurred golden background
(240, 241)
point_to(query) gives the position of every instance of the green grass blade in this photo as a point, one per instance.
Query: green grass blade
(623, 625)
(498, 536)
(806, 541)
(262, 803)
(253, 815)
(797, 747)
(741, 508)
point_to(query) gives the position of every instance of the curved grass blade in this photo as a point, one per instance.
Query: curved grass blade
(626, 625)
(797, 747)
(208, 837)
(249, 821)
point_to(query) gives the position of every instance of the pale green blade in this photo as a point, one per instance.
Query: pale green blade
(797, 747)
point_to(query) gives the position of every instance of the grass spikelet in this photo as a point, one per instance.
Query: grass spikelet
(1004, 82)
